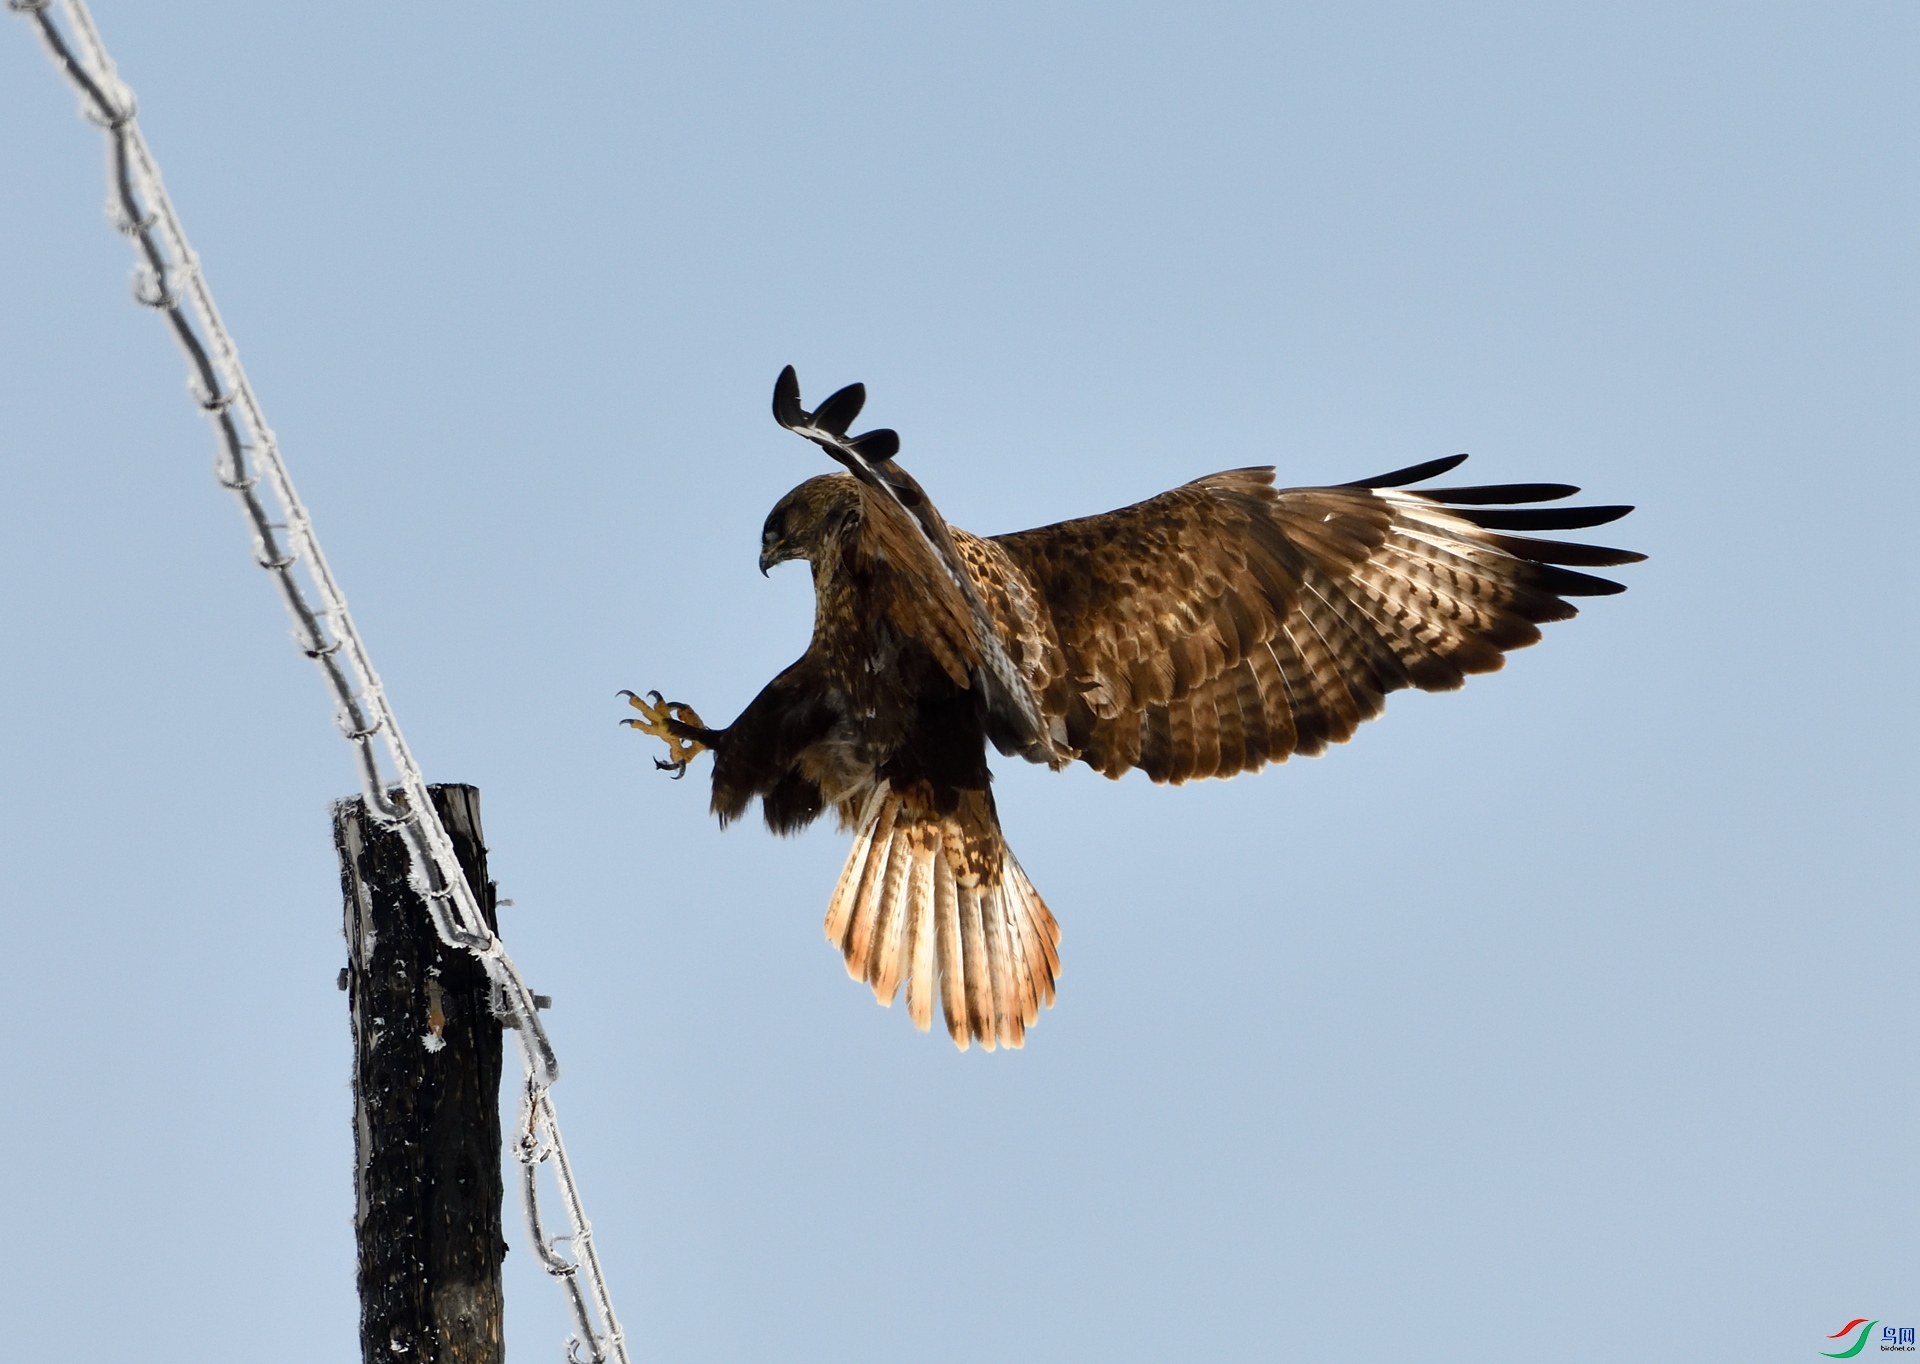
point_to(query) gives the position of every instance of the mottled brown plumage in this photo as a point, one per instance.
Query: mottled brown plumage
(1204, 632)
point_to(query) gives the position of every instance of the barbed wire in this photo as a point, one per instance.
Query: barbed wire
(168, 279)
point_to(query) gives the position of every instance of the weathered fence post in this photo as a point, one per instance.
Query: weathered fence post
(426, 1095)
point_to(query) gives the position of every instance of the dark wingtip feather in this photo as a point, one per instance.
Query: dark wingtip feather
(1564, 552)
(1413, 473)
(786, 399)
(1564, 582)
(1501, 492)
(877, 445)
(1544, 518)
(836, 414)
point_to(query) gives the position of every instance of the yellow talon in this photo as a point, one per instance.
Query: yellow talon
(661, 716)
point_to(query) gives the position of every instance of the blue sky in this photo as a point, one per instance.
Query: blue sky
(1568, 1016)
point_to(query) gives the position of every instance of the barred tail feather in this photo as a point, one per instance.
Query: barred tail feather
(840, 914)
(937, 902)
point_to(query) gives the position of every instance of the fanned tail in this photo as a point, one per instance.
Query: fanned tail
(938, 902)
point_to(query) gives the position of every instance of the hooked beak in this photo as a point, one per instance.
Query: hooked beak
(771, 555)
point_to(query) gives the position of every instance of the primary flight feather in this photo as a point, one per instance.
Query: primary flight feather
(1207, 631)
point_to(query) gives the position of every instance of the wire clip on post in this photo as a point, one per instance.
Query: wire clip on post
(167, 278)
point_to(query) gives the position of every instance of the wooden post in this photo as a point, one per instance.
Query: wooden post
(426, 1102)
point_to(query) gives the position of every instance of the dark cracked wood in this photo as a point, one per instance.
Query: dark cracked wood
(426, 1092)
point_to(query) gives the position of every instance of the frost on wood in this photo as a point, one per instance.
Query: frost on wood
(427, 1183)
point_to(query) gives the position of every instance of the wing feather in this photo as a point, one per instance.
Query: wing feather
(1226, 624)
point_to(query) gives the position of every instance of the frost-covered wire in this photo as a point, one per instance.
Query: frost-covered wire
(168, 279)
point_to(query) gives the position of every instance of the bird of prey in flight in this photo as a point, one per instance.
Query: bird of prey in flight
(1210, 630)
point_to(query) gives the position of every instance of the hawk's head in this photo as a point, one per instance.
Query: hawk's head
(803, 522)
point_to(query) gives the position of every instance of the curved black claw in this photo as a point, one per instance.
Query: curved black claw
(661, 717)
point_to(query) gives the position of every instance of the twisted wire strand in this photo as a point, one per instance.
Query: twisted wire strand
(168, 279)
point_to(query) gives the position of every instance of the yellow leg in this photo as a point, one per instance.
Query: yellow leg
(658, 722)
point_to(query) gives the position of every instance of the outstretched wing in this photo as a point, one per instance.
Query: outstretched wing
(1227, 624)
(925, 588)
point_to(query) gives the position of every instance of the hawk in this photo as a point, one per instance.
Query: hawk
(1210, 630)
